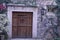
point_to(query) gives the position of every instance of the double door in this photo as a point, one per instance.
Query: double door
(22, 24)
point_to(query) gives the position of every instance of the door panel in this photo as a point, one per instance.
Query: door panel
(22, 32)
(29, 32)
(22, 24)
(14, 32)
(14, 27)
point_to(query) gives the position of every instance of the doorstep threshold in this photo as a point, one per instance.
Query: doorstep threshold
(25, 39)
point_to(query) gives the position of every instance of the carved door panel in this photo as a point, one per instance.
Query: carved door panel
(22, 24)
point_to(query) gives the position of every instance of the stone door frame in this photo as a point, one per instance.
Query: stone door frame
(10, 9)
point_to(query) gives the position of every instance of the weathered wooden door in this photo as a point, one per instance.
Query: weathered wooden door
(22, 24)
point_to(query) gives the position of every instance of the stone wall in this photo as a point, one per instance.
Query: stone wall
(45, 26)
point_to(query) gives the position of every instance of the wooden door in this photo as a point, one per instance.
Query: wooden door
(22, 24)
